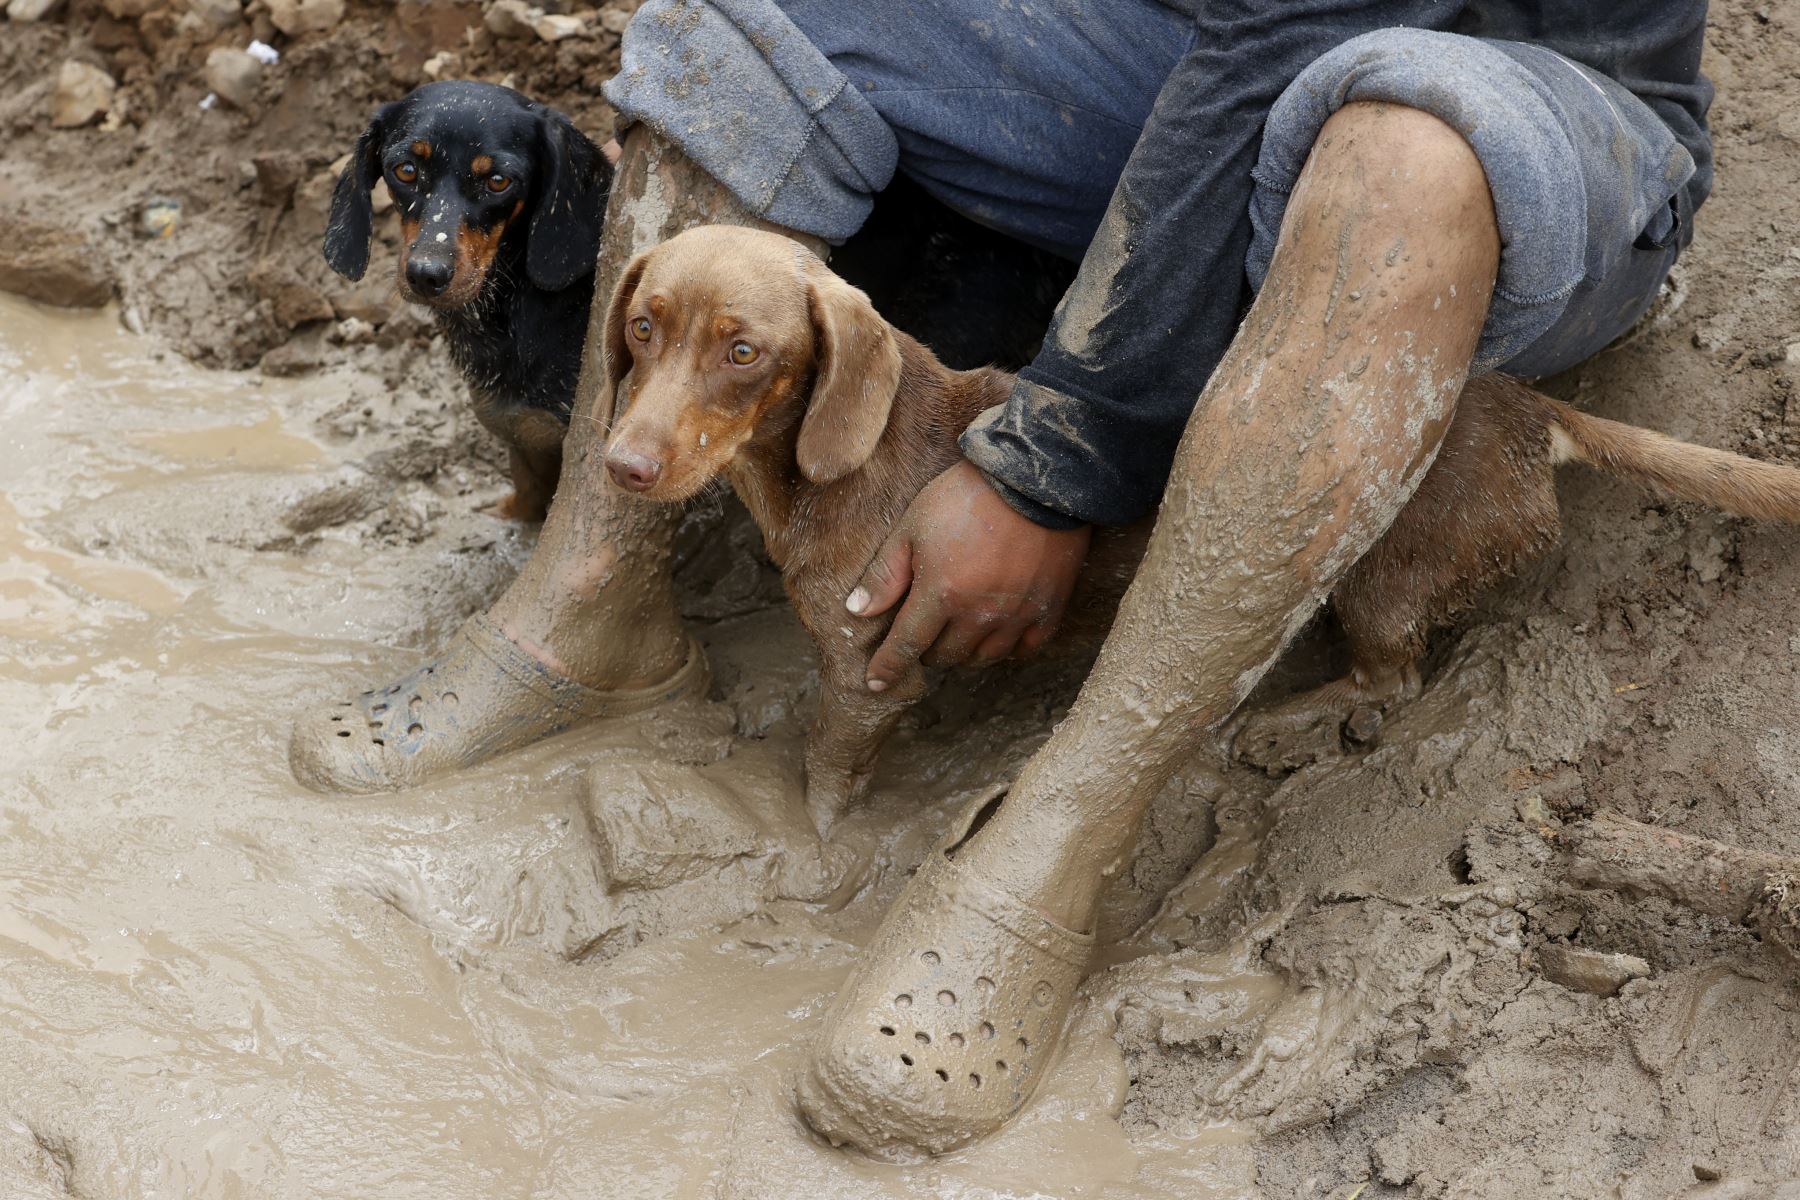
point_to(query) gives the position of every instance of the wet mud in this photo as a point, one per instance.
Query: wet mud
(591, 968)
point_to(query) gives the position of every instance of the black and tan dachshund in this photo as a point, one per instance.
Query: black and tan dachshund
(501, 202)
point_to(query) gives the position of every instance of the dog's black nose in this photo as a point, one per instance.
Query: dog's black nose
(429, 276)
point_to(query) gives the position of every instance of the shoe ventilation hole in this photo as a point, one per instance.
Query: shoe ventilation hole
(888, 1030)
(930, 958)
(923, 1038)
(943, 1075)
(987, 1029)
(975, 1081)
(415, 729)
(907, 1059)
(903, 1000)
(946, 998)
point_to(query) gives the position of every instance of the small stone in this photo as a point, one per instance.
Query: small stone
(277, 174)
(614, 20)
(553, 28)
(296, 356)
(442, 65)
(511, 19)
(1707, 1171)
(296, 18)
(1706, 555)
(1793, 352)
(1590, 971)
(351, 331)
(1362, 725)
(52, 265)
(83, 94)
(234, 75)
(1536, 814)
(128, 10)
(217, 15)
(293, 301)
(31, 10)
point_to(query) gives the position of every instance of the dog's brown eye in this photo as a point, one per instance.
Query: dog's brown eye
(406, 172)
(640, 329)
(743, 354)
(498, 183)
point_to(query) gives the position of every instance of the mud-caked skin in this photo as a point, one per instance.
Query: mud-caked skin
(501, 200)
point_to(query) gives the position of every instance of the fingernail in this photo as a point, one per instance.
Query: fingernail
(878, 685)
(857, 600)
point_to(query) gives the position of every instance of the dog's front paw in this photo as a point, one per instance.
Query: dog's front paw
(1280, 741)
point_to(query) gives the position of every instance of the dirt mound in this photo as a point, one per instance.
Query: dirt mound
(195, 179)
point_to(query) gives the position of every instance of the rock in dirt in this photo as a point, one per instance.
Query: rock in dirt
(510, 19)
(217, 15)
(31, 10)
(1591, 971)
(234, 75)
(553, 27)
(294, 301)
(297, 18)
(83, 94)
(52, 265)
(278, 173)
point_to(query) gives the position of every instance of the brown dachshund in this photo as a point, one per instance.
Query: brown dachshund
(750, 359)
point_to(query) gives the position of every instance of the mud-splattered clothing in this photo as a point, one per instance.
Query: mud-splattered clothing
(1158, 142)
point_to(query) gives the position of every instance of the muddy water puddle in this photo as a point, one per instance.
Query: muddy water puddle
(216, 984)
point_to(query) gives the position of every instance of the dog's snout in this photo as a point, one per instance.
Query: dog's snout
(429, 276)
(631, 471)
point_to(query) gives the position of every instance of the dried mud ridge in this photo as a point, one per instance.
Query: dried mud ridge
(1530, 936)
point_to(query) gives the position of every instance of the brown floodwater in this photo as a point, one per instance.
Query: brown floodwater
(216, 984)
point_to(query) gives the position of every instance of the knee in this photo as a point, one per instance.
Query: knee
(1397, 156)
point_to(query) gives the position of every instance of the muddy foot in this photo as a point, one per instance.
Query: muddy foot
(950, 1021)
(481, 697)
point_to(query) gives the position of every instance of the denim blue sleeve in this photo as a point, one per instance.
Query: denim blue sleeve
(1090, 430)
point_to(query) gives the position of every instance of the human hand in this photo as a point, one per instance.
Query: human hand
(980, 581)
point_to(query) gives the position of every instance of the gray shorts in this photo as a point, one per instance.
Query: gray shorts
(1022, 117)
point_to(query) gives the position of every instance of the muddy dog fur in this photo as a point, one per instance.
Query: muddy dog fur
(501, 201)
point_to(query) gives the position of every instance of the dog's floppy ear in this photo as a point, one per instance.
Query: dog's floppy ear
(856, 374)
(573, 179)
(618, 355)
(347, 232)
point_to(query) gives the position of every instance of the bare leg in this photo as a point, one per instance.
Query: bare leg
(589, 626)
(1311, 435)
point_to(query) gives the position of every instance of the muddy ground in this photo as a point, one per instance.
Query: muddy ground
(589, 969)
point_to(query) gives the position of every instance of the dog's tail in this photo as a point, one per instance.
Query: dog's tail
(1738, 485)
